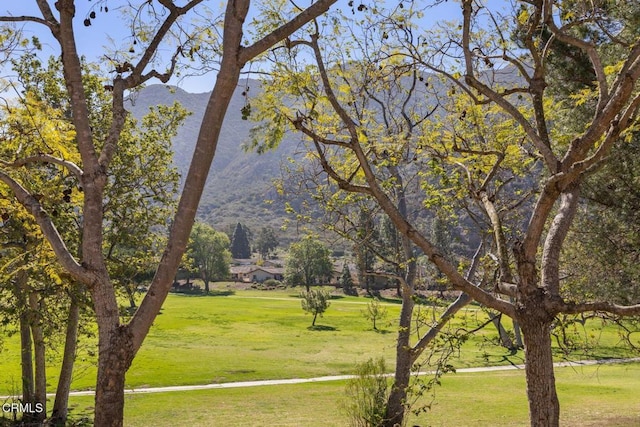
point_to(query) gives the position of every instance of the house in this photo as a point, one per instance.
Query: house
(255, 273)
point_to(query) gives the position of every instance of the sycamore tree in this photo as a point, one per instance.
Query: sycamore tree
(156, 26)
(498, 146)
(139, 194)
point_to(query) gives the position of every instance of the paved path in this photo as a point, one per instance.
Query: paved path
(336, 378)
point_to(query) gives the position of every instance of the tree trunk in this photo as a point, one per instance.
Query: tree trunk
(205, 279)
(398, 396)
(26, 347)
(60, 406)
(114, 359)
(25, 359)
(544, 407)
(40, 359)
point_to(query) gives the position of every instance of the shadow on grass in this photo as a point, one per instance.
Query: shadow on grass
(382, 331)
(220, 293)
(387, 300)
(212, 293)
(322, 328)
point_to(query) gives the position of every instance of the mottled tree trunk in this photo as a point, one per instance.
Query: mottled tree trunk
(398, 396)
(113, 362)
(544, 407)
(60, 406)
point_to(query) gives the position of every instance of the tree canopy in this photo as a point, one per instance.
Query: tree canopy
(209, 250)
(308, 262)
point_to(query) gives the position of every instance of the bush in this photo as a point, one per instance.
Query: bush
(272, 283)
(366, 395)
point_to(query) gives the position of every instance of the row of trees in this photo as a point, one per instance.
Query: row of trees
(265, 244)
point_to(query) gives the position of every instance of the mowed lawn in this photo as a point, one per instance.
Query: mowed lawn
(256, 335)
(590, 397)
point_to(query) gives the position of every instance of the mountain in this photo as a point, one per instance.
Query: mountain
(239, 182)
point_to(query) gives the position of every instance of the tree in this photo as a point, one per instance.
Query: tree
(266, 242)
(346, 281)
(140, 193)
(315, 302)
(375, 312)
(307, 262)
(119, 342)
(209, 250)
(500, 127)
(240, 247)
(366, 236)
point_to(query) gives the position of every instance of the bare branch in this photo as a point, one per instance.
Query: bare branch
(72, 167)
(284, 31)
(577, 308)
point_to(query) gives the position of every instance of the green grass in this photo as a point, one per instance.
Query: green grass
(590, 396)
(255, 335)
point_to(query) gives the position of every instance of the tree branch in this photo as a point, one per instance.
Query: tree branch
(248, 53)
(72, 167)
(48, 229)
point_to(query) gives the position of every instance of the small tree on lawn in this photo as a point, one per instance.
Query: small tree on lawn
(316, 302)
(375, 312)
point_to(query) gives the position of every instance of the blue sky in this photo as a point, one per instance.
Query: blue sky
(106, 26)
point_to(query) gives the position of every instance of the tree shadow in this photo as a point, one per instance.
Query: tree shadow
(220, 293)
(322, 328)
(212, 293)
(382, 331)
(388, 300)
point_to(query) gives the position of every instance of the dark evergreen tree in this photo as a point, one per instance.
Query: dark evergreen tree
(347, 281)
(240, 243)
(366, 236)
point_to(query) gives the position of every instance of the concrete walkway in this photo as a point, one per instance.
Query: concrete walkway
(337, 378)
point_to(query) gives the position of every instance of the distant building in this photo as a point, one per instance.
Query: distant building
(255, 273)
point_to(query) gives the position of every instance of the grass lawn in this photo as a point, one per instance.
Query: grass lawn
(255, 335)
(590, 396)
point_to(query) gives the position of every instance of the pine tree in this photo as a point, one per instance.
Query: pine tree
(347, 281)
(240, 243)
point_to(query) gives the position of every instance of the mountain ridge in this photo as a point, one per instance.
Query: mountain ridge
(240, 182)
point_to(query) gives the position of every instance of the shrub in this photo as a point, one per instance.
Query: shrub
(366, 395)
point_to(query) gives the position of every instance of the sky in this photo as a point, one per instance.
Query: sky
(107, 26)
